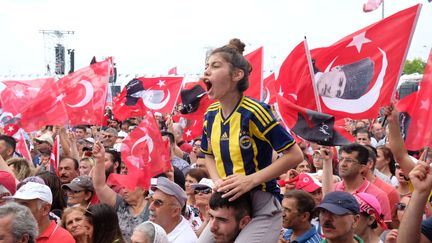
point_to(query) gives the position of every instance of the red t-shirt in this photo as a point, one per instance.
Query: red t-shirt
(55, 234)
(392, 194)
(370, 188)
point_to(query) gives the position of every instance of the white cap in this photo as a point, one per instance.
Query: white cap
(33, 190)
(204, 182)
(122, 134)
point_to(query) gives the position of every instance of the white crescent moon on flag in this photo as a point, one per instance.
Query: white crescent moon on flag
(89, 90)
(293, 95)
(157, 106)
(267, 99)
(366, 101)
(143, 139)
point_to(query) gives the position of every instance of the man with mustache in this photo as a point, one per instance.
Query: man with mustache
(339, 217)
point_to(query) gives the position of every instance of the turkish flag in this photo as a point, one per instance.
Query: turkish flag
(85, 93)
(172, 71)
(16, 95)
(312, 125)
(157, 94)
(295, 78)
(55, 155)
(78, 98)
(125, 106)
(371, 5)
(415, 116)
(271, 89)
(357, 75)
(21, 147)
(194, 101)
(11, 129)
(255, 58)
(144, 152)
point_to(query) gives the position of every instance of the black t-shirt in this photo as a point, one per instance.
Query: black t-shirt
(426, 228)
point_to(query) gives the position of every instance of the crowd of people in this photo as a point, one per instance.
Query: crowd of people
(244, 180)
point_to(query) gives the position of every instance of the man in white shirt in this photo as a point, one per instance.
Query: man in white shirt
(165, 210)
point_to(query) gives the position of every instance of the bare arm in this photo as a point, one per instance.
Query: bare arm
(327, 176)
(396, 142)
(410, 227)
(104, 192)
(63, 139)
(211, 167)
(236, 184)
(73, 146)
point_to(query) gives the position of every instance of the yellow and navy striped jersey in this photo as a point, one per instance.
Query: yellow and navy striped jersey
(243, 142)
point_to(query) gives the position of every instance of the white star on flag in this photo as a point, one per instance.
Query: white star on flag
(60, 97)
(358, 41)
(280, 92)
(188, 133)
(19, 93)
(161, 83)
(10, 128)
(424, 104)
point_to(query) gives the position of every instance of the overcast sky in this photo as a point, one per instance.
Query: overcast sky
(150, 37)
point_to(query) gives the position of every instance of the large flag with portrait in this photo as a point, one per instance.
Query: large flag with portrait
(358, 74)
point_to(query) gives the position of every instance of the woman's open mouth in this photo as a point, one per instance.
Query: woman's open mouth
(208, 84)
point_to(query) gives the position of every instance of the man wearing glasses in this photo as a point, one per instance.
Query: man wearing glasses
(353, 159)
(168, 202)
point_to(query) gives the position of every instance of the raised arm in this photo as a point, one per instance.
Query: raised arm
(396, 142)
(104, 192)
(409, 229)
(327, 176)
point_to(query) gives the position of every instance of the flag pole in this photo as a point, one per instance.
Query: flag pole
(317, 100)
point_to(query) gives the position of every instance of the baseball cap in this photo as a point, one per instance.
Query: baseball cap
(45, 138)
(340, 203)
(33, 190)
(79, 183)
(171, 188)
(369, 204)
(8, 181)
(204, 182)
(306, 182)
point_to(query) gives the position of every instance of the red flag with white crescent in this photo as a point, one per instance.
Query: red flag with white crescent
(357, 75)
(141, 94)
(78, 98)
(145, 153)
(255, 58)
(271, 89)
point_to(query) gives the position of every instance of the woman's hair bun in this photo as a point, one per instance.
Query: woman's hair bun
(237, 44)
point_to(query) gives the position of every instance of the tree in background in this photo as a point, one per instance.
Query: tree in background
(414, 66)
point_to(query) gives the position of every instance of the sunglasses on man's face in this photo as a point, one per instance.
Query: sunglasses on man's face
(401, 206)
(206, 190)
